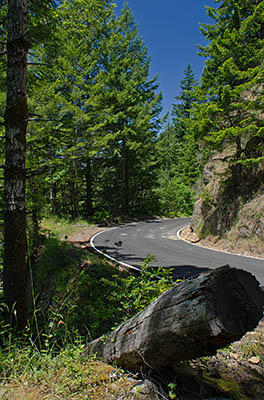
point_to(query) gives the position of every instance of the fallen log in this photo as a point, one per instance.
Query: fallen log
(192, 319)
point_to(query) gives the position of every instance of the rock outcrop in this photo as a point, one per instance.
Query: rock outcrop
(227, 202)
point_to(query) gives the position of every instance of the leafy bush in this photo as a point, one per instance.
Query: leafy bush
(92, 298)
(134, 293)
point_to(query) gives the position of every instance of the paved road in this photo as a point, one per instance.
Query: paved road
(131, 243)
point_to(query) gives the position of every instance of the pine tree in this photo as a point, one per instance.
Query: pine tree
(19, 36)
(232, 81)
(185, 99)
(127, 106)
(101, 109)
(177, 151)
(64, 89)
(16, 115)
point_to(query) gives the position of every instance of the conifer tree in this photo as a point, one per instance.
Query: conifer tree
(177, 151)
(16, 114)
(127, 106)
(19, 35)
(232, 81)
(65, 88)
(185, 99)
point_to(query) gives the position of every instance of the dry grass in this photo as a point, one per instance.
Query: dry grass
(69, 378)
(61, 228)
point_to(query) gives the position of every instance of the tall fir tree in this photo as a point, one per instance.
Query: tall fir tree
(126, 106)
(232, 82)
(177, 151)
(69, 142)
(103, 111)
(22, 16)
(185, 100)
(16, 115)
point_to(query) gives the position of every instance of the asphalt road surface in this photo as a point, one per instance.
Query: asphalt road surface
(131, 243)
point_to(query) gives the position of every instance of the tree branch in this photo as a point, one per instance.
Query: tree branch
(38, 4)
(39, 119)
(35, 115)
(40, 171)
(46, 65)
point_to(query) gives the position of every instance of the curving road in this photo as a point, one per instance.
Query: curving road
(131, 243)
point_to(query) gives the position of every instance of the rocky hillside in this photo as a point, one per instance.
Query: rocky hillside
(230, 205)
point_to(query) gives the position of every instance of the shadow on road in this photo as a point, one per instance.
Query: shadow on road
(179, 271)
(185, 271)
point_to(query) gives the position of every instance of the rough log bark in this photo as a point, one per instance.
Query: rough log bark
(192, 319)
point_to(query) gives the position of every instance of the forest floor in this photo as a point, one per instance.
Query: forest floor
(236, 372)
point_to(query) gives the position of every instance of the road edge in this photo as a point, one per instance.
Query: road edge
(125, 265)
(211, 248)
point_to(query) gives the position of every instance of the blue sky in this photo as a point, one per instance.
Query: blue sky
(170, 30)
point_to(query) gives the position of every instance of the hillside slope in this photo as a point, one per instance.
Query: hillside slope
(229, 210)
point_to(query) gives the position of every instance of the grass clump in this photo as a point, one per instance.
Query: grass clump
(25, 373)
(61, 228)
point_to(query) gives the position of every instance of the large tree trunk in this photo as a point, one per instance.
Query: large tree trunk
(15, 266)
(193, 319)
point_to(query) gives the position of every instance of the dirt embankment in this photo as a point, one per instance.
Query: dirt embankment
(229, 211)
(251, 248)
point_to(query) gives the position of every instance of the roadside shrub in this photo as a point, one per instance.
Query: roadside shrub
(97, 297)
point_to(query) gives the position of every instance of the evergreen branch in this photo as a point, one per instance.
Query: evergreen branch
(32, 63)
(39, 119)
(40, 171)
(38, 4)
(35, 115)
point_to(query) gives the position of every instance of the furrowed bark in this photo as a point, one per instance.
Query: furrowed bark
(16, 115)
(193, 319)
